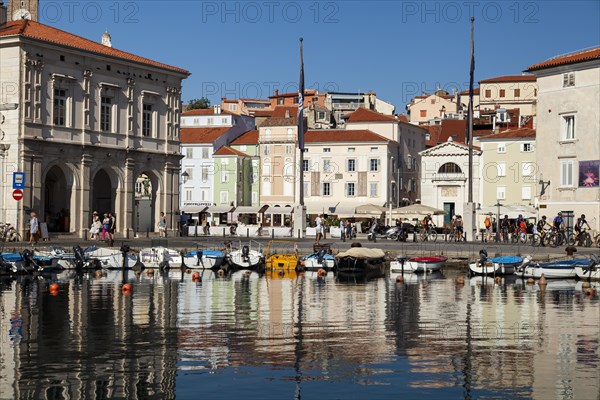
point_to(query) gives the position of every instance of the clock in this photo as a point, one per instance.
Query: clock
(21, 13)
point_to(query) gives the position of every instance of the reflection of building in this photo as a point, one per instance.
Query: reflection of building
(91, 119)
(568, 134)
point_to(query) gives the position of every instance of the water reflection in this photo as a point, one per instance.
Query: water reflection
(293, 336)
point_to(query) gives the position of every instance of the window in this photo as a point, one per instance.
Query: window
(188, 194)
(427, 136)
(232, 107)
(500, 192)
(423, 113)
(224, 121)
(373, 189)
(305, 166)
(326, 188)
(566, 173)
(326, 149)
(326, 165)
(106, 114)
(569, 127)
(288, 149)
(224, 176)
(351, 149)
(224, 197)
(266, 167)
(290, 134)
(569, 79)
(374, 149)
(60, 107)
(501, 168)
(527, 147)
(321, 115)
(526, 193)
(409, 162)
(306, 188)
(517, 92)
(254, 198)
(280, 102)
(374, 164)
(189, 152)
(209, 121)
(205, 152)
(204, 173)
(413, 185)
(450, 168)
(266, 189)
(190, 173)
(266, 149)
(203, 195)
(527, 169)
(502, 93)
(146, 120)
(501, 148)
(488, 93)
(351, 165)
(350, 189)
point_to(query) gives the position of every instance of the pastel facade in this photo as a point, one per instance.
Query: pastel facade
(568, 134)
(424, 108)
(509, 92)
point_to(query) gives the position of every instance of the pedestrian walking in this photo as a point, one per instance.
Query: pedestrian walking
(162, 225)
(34, 226)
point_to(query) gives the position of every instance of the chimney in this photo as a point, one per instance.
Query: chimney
(276, 92)
(217, 109)
(3, 13)
(106, 39)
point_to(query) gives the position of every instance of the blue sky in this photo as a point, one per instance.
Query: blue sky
(397, 49)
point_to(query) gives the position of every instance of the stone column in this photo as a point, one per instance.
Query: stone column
(129, 196)
(84, 194)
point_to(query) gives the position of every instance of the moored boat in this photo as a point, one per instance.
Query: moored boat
(318, 260)
(360, 263)
(561, 269)
(204, 259)
(418, 264)
(160, 257)
(592, 272)
(281, 254)
(503, 265)
(110, 258)
(27, 263)
(246, 256)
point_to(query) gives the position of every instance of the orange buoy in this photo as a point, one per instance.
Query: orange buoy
(399, 279)
(126, 289)
(542, 281)
(530, 281)
(98, 274)
(585, 285)
(54, 287)
(497, 280)
(188, 271)
(220, 273)
(54, 292)
(281, 273)
(150, 272)
(196, 276)
(321, 273)
(460, 280)
(590, 292)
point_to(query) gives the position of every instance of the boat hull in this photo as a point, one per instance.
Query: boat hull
(492, 268)
(554, 270)
(418, 265)
(311, 263)
(160, 257)
(238, 260)
(352, 268)
(208, 260)
(592, 273)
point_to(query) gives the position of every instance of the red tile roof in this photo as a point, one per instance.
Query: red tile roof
(280, 111)
(307, 92)
(205, 111)
(341, 135)
(466, 92)
(262, 113)
(228, 151)
(365, 115)
(201, 135)
(455, 128)
(577, 57)
(292, 121)
(45, 33)
(512, 134)
(250, 137)
(403, 118)
(255, 100)
(509, 78)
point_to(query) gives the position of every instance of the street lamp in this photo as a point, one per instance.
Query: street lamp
(498, 221)
(390, 191)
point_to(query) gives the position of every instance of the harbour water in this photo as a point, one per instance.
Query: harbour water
(257, 336)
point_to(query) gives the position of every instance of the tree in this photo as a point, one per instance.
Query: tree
(202, 103)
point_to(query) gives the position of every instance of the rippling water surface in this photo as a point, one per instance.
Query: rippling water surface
(269, 337)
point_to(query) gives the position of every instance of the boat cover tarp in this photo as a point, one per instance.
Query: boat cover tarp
(507, 260)
(207, 253)
(362, 252)
(576, 262)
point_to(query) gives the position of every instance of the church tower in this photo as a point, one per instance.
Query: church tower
(23, 9)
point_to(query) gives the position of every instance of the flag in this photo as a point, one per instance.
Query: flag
(301, 103)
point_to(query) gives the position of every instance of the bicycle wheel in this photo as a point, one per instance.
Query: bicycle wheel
(569, 238)
(433, 235)
(587, 239)
(553, 240)
(536, 240)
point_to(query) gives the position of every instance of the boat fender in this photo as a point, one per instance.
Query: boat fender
(590, 292)
(530, 281)
(99, 274)
(220, 273)
(321, 273)
(400, 279)
(460, 280)
(126, 289)
(196, 277)
(54, 287)
(497, 280)
(542, 281)
(281, 273)
(585, 285)
(150, 272)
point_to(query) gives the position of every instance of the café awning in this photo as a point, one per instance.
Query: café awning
(220, 209)
(251, 209)
(193, 209)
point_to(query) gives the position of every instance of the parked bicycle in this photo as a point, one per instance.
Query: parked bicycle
(561, 237)
(8, 233)
(429, 234)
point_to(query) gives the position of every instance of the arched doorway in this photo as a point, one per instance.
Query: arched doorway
(57, 200)
(145, 199)
(103, 193)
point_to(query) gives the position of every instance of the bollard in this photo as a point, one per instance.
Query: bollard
(415, 236)
(482, 236)
(247, 232)
(85, 235)
(147, 233)
(223, 232)
(272, 233)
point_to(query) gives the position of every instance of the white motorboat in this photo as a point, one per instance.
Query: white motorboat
(504, 265)
(204, 259)
(318, 260)
(417, 264)
(110, 258)
(160, 257)
(555, 269)
(245, 256)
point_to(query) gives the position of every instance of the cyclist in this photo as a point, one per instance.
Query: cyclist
(541, 224)
(427, 224)
(458, 228)
(519, 225)
(581, 222)
(558, 221)
(505, 226)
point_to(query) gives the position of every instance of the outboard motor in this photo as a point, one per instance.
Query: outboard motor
(245, 253)
(320, 255)
(198, 257)
(595, 260)
(79, 257)
(29, 261)
(138, 266)
(483, 256)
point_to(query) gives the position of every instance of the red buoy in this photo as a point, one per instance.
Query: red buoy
(126, 288)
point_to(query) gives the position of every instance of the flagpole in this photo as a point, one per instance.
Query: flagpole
(301, 126)
(470, 112)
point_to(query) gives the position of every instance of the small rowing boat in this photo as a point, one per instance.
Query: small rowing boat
(418, 264)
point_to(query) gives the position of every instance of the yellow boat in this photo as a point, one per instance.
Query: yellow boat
(282, 255)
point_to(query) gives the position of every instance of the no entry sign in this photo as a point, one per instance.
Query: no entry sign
(17, 194)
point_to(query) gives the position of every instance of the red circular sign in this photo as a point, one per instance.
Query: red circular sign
(17, 194)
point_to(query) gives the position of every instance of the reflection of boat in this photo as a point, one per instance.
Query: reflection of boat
(245, 256)
(205, 259)
(554, 269)
(318, 260)
(411, 278)
(281, 273)
(160, 257)
(281, 254)
(360, 263)
(418, 264)
(482, 280)
(109, 258)
(504, 265)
